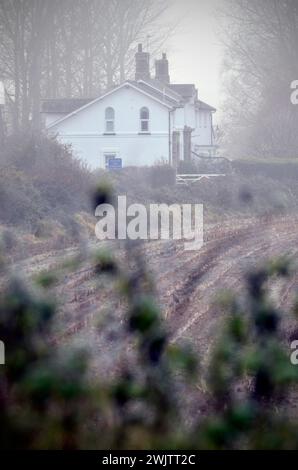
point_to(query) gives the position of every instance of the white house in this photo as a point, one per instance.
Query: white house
(139, 122)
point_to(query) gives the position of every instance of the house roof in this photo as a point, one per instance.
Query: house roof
(162, 88)
(186, 90)
(152, 87)
(162, 99)
(169, 95)
(157, 90)
(63, 105)
(201, 105)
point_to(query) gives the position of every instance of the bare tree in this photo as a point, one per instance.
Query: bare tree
(66, 48)
(24, 25)
(261, 62)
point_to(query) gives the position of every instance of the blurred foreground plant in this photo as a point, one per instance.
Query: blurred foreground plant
(48, 400)
(250, 374)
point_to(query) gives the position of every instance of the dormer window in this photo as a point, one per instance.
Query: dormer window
(144, 119)
(110, 120)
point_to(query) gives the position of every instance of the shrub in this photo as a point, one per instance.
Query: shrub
(40, 178)
(162, 175)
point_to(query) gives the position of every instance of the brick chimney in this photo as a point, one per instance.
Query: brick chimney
(162, 69)
(142, 64)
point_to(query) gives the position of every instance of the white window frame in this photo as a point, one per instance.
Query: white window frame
(109, 120)
(108, 156)
(107, 153)
(145, 120)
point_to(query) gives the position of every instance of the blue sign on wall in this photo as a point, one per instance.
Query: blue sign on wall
(115, 163)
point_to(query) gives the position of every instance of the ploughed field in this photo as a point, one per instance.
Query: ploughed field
(91, 312)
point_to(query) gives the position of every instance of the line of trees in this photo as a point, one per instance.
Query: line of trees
(66, 48)
(261, 61)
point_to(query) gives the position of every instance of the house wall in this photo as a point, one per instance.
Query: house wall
(190, 115)
(85, 130)
(182, 117)
(200, 121)
(185, 116)
(202, 134)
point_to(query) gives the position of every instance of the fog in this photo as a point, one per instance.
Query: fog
(196, 50)
(148, 227)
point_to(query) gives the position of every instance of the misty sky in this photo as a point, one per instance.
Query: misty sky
(195, 52)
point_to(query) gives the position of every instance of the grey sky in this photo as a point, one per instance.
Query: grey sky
(195, 52)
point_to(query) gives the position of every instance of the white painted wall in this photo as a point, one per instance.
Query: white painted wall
(85, 131)
(135, 150)
(199, 120)
(202, 135)
(178, 119)
(190, 115)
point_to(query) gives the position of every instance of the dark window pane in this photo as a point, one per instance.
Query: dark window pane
(144, 113)
(144, 126)
(109, 126)
(110, 113)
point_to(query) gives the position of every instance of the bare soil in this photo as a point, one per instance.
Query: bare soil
(187, 283)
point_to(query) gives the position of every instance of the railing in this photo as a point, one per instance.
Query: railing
(189, 179)
(205, 157)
